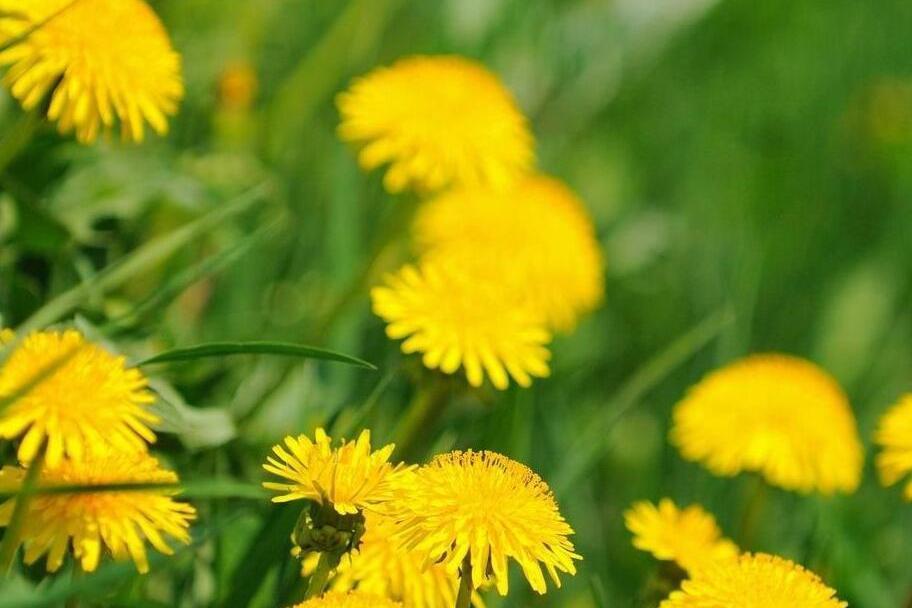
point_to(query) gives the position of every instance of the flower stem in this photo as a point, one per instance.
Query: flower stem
(12, 537)
(320, 576)
(753, 510)
(427, 405)
(464, 599)
(18, 137)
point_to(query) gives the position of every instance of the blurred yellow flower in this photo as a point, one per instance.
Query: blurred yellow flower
(484, 508)
(354, 599)
(98, 59)
(438, 122)
(689, 537)
(753, 581)
(778, 415)
(349, 477)
(6, 336)
(540, 226)
(120, 522)
(237, 87)
(91, 401)
(456, 318)
(894, 436)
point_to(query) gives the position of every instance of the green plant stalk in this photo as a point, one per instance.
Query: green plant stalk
(320, 576)
(753, 511)
(12, 537)
(426, 407)
(464, 599)
(19, 136)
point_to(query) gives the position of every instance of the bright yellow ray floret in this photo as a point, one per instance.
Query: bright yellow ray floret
(118, 522)
(753, 581)
(689, 537)
(437, 122)
(456, 317)
(90, 401)
(894, 436)
(99, 60)
(489, 509)
(349, 477)
(778, 415)
(536, 236)
(354, 599)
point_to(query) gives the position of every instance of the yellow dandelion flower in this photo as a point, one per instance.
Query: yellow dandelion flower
(753, 581)
(98, 59)
(540, 226)
(780, 416)
(90, 402)
(485, 508)
(458, 319)
(354, 599)
(350, 477)
(119, 522)
(689, 537)
(894, 435)
(438, 122)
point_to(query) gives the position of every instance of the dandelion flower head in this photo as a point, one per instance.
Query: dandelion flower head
(99, 60)
(119, 522)
(894, 435)
(777, 415)
(353, 599)
(490, 509)
(437, 121)
(89, 400)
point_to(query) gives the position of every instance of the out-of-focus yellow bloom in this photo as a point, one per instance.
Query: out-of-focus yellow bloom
(536, 236)
(98, 59)
(354, 599)
(349, 477)
(438, 122)
(489, 509)
(457, 318)
(689, 537)
(894, 435)
(6, 336)
(90, 402)
(778, 415)
(753, 581)
(237, 87)
(120, 522)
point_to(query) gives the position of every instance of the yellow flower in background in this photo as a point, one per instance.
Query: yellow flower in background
(540, 227)
(354, 599)
(777, 415)
(349, 477)
(894, 436)
(437, 122)
(92, 401)
(689, 537)
(753, 581)
(456, 318)
(118, 522)
(99, 60)
(489, 509)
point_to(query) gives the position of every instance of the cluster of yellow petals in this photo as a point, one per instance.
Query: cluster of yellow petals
(437, 122)
(98, 60)
(489, 509)
(894, 436)
(689, 537)
(455, 318)
(121, 521)
(88, 401)
(777, 415)
(350, 477)
(753, 581)
(353, 599)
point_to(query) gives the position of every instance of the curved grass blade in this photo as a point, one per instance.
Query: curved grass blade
(199, 490)
(225, 349)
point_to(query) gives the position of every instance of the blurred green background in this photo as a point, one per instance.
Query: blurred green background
(749, 168)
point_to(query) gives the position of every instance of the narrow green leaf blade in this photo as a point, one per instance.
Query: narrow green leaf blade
(225, 349)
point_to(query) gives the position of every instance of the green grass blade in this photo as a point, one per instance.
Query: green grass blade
(190, 489)
(225, 349)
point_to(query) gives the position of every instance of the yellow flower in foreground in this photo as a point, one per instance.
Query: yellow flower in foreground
(778, 415)
(350, 477)
(437, 122)
(539, 228)
(753, 581)
(690, 537)
(354, 599)
(91, 402)
(120, 522)
(894, 435)
(457, 319)
(486, 508)
(98, 59)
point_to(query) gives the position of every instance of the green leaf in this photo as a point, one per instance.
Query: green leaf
(225, 349)
(199, 489)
